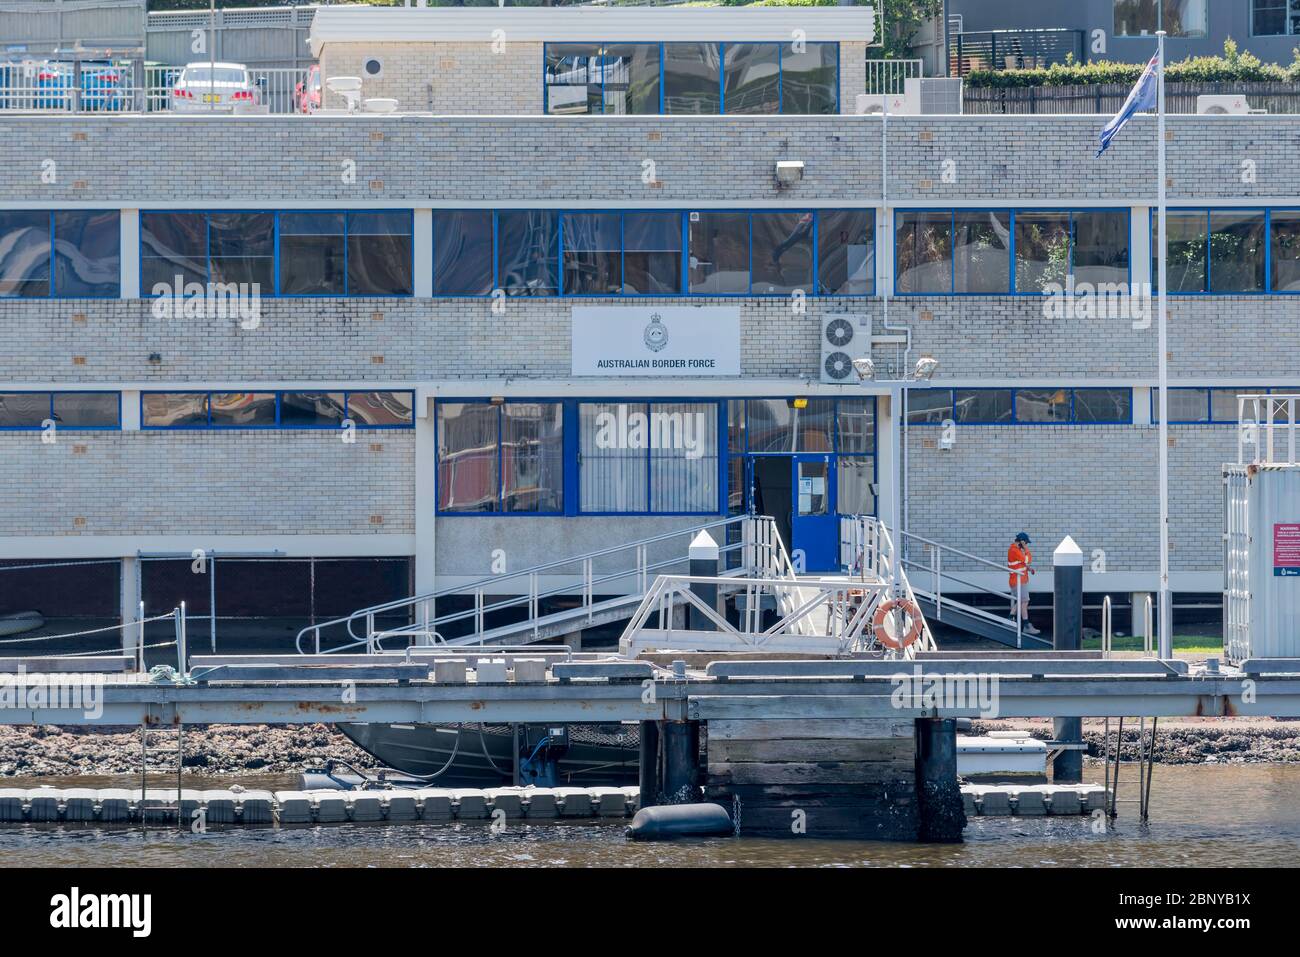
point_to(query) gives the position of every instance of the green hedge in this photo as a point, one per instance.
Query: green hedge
(1231, 67)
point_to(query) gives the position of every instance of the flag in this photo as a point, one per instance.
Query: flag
(1142, 97)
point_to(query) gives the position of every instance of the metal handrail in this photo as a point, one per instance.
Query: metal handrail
(480, 610)
(1106, 633)
(1272, 405)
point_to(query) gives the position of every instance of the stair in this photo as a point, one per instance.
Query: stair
(976, 621)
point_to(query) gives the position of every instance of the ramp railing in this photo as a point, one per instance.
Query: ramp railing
(1264, 421)
(623, 571)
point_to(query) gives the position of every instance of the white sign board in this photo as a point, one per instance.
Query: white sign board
(625, 341)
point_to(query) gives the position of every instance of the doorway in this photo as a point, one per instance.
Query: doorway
(798, 491)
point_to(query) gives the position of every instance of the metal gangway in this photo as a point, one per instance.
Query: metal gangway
(939, 576)
(607, 584)
(785, 613)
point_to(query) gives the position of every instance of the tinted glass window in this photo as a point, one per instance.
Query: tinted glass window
(1042, 405)
(652, 253)
(462, 252)
(1237, 251)
(593, 264)
(692, 73)
(312, 254)
(924, 253)
(528, 250)
(782, 253)
(23, 410)
(810, 79)
(532, 457)
(469, 434)
(171, 245)
(982, 252)
(1185, 405)
(719, 249)
(87, 410)
(630, 72)
(311, 409)
(1103, 405)
(1285, 254)
(87, 253)
(1100, 248)
(846, 260)
(24, 253)
(1042, 250)
(1186, 265)
(381, 408)
(241, 248)
(573, 78)
(379, 254)
(928, 406)
(168, 410)
(242, 409)
(856, 420)
(988, 406)
(752, 77)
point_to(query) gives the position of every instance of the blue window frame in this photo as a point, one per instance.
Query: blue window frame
(1229, 251)
(1001, 252)
(288, 409)
(78, 411)
(1037, 405)
(1196, 405)
(501, 458)
(694, 77)
(842, 429)
(318, 253)
(60, 254)
(604, 253)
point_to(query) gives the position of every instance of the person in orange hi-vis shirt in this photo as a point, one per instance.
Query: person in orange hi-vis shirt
(1019, 560)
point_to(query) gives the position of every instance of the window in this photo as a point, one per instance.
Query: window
(782, 253)
(67, 410)
(320, 253)
(777, 425)
(719, 251)
(692, 78)
(87, 253)
(810, 82)
(379, 253)
(1178, 18)
(528, 251)
(975, 252)
(1198, 406)
(981, 252)
(312, 254)
(462, 252)
(652, 254)
(593, 262)
(287, 410)
(655, 457)
(1270, 18)
(1284, 250)
(751, 77)
(621, 78)
(62, 254)
(846, 252)
(1225, 251)
(241, 249)
(501, 458)
(1032, 406)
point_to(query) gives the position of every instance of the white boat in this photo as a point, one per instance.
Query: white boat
(21, 621)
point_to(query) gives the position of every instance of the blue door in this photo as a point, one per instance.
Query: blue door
(814, 526)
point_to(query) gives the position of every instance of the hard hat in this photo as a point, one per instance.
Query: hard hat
(1022, 537)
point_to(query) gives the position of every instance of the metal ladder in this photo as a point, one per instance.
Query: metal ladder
(1114, 760)
(163, 812)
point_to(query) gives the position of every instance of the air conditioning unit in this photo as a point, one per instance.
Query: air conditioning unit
(844, 337)
(900, 104)
(934, 95)
(1221, 103)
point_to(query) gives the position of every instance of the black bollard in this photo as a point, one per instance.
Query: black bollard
(942, 816)
(703, 554)
(679, 762)
(1067, 635)
(649, 771)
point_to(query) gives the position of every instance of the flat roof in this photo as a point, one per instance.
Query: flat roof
(361, 24)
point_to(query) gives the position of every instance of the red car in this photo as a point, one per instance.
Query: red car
(306, 92)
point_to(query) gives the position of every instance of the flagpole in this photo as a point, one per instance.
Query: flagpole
(1165, 604)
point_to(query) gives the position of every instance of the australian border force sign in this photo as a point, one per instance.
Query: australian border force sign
(615, 341)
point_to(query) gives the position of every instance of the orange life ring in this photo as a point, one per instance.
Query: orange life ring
(882, 634)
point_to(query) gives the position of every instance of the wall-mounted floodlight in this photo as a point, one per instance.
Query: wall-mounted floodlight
(865, 368)
(926, 366)
(788, 172)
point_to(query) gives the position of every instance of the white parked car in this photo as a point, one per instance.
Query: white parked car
(212, 88)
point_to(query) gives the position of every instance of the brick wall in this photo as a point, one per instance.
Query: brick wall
(206, 483)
